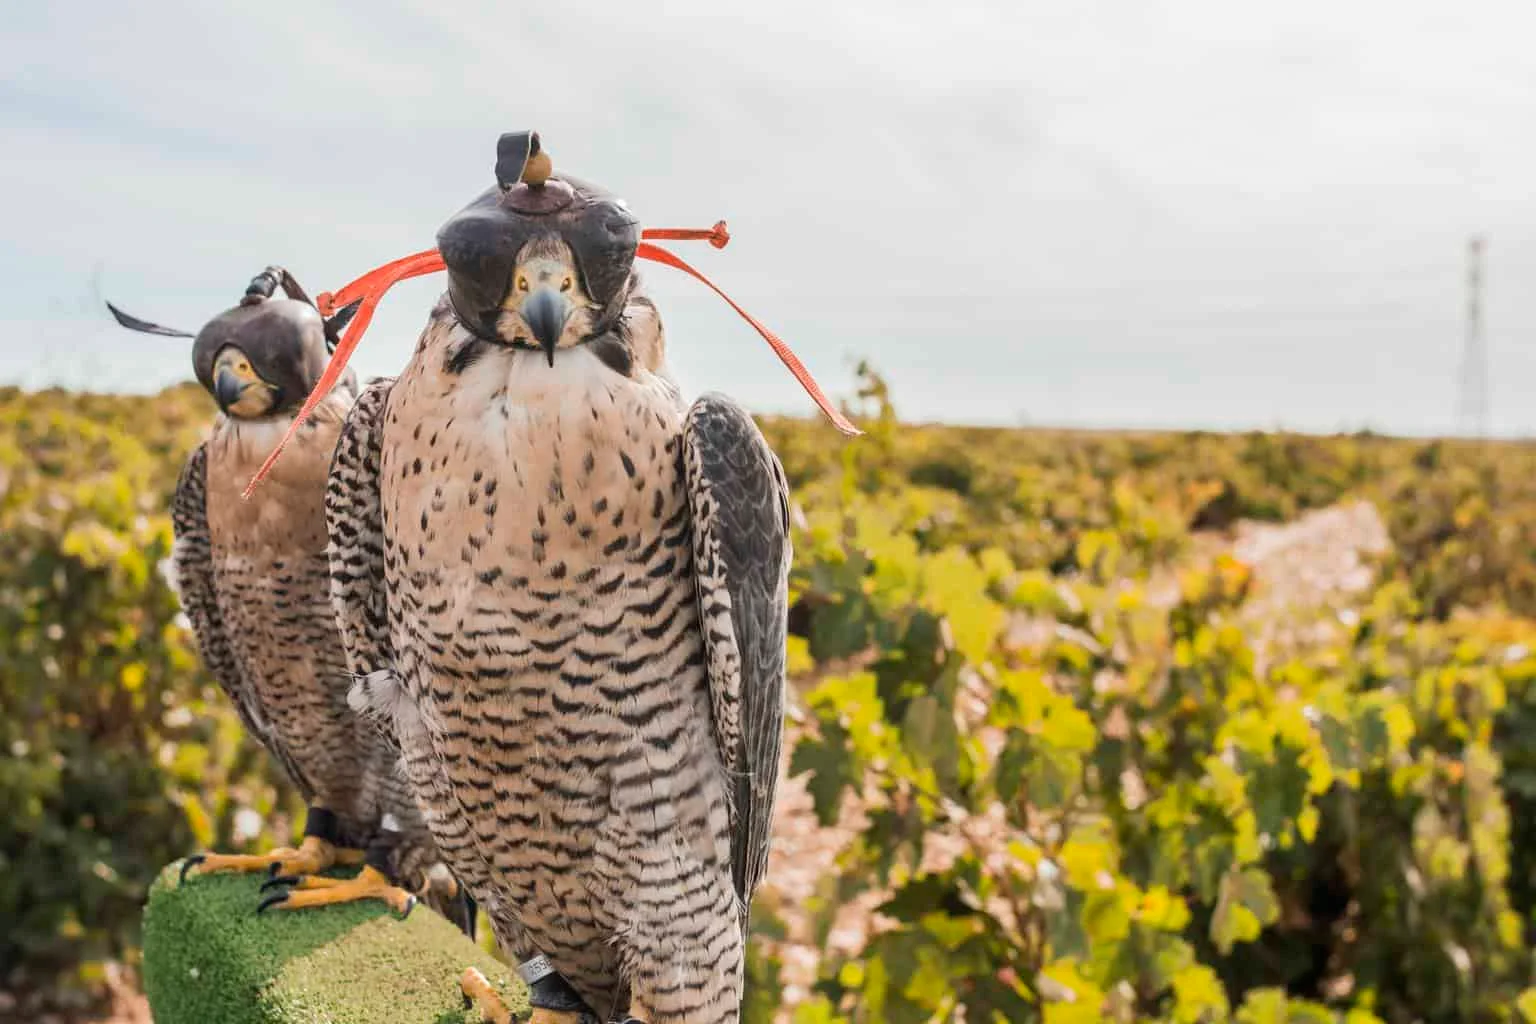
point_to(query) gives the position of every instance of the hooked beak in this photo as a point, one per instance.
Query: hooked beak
(545, 313)
(227, 388)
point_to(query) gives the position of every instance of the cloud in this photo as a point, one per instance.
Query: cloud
(1103, 212)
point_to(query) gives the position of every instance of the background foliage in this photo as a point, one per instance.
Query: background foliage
(1131, 814)
(117, 753)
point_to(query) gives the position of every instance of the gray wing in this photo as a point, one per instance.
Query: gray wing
(192, 565)
(354, 520)
(740, 505)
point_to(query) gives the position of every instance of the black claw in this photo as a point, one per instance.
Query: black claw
(410, 905)
(279, 881)
(187, 865)
(275, 867)
(271, 901)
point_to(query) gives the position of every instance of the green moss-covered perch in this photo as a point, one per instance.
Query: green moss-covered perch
(208, 959)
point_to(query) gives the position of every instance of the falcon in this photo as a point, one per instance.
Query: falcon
(565, 590)
(253, 578)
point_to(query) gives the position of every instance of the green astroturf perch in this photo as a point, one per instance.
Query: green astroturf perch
(209, 960)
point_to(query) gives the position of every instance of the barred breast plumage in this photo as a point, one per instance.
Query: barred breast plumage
(545, 621)
(270, 578)
(255, 579)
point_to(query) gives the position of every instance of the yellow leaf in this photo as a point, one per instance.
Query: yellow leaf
(1362, 1017)
(1199, 997)
(1068, 728)
(1307, 821)
(132, 676)
(198, 821)
(799, 661)
(1025, 853)
(1162, 910)
(1084, 856)
(1509, 929)
(995, 563)
(1071, 998)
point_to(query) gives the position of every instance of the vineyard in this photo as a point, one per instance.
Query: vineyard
(1084, 727)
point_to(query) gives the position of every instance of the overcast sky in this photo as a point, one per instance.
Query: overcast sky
(1183, 213)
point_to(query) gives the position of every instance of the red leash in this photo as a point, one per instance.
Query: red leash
(370, 288)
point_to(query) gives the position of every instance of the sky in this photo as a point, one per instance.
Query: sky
(1148, 213)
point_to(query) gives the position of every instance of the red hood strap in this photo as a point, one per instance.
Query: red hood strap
(372, 286)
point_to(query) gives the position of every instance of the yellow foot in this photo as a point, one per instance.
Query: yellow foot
(541, 1015)
(312, 857)
(478, 990)
(298, 892)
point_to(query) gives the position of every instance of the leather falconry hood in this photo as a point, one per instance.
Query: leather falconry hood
(480, 243)
(286, 337)
(267, 330)
(478, 248)
(260, 330)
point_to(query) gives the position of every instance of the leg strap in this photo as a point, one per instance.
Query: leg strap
(322, 824)
(380, 853)
(547, 990)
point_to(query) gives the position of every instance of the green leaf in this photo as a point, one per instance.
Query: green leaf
(930, 735)
(922, 896)
(831, 767)
(840, 629)
(1245, 905)
(1008, 772)
(817, 1011)
(956, 588)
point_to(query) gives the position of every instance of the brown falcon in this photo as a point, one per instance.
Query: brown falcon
(253, 578)
(565, 589)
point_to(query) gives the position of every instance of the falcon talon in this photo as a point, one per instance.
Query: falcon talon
(477, 989)
(279, 882)
(187, 865)
(270, 902)
(369, 883)
(410, 905)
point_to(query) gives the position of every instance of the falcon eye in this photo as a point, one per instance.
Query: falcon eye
(522, 284)
(565, 285)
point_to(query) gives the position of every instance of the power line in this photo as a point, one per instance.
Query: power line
(1472, 409)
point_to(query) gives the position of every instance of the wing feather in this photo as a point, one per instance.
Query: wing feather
(355, 523)
(740, 506)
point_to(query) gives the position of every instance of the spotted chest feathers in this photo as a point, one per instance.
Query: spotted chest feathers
(544, 618)
(546, 487)
(543, 604)
(286, 515)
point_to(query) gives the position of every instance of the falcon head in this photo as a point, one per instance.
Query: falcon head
(540, 259)
(546, 305)
(261, 359)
